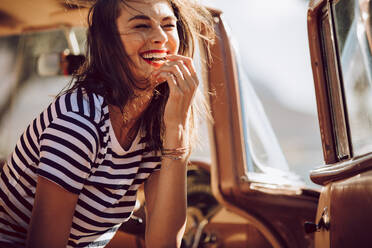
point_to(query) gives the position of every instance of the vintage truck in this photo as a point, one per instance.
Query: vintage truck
(241, 192)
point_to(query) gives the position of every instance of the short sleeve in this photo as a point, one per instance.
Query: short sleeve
(68, 147)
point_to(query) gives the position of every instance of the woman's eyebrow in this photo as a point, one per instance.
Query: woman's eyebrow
(139, 17)
(144, 17)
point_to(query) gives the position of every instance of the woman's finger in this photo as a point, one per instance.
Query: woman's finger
(168, 77)
(174, 68)
(192, 83)
(187, 63)
(184, 78)
(174, 90)
(186, 60)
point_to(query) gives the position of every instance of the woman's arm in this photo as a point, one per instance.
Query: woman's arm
(166, 206)
(165, 190)
(51, 215)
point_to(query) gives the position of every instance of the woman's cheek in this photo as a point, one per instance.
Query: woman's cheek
(133, 42)
(176, 43)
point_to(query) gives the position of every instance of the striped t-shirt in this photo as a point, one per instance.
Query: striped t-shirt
(72, 143)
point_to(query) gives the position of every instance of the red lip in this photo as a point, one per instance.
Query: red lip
(155, 51)
(150, 62)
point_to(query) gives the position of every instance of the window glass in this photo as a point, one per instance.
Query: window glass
(202, 149)
(351, 25)
(265, 159)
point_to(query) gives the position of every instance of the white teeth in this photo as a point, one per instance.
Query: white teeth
(154, 55)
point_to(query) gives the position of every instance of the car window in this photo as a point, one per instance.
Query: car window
(263, 152)
(355, 61)
(202, 150)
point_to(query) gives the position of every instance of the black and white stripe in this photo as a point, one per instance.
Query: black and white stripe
(72, 144)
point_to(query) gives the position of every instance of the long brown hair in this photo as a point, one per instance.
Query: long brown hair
(106, 68)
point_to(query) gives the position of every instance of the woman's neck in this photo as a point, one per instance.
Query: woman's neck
(135, 107)
(126, 121)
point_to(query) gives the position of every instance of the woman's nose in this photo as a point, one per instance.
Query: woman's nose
(158, 35)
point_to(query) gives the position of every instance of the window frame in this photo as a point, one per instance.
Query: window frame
(332, 111)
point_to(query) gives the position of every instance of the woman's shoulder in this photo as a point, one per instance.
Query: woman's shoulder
(83, 103)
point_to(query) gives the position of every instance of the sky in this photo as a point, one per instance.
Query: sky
(272, 40)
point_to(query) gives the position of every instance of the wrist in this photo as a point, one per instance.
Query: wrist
(175, 137)
(179, 153)
(174, 125)
(177, 119)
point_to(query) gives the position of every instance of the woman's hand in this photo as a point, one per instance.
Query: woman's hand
(180, 74)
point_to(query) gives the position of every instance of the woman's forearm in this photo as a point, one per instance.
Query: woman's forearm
(167, 221)
(168, 216)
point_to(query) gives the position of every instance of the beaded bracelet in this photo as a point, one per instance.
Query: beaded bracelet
(174, 154)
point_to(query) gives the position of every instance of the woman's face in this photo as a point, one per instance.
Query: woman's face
(148, 31)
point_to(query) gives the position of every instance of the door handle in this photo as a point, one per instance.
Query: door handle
(323, 223)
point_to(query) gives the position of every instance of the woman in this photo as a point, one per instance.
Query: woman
(127, 119)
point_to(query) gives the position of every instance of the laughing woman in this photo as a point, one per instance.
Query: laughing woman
(127, 119)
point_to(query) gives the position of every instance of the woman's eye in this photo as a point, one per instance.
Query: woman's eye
(142, 26)
(169, 26)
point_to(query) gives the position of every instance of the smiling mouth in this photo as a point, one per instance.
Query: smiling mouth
(154, 57)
